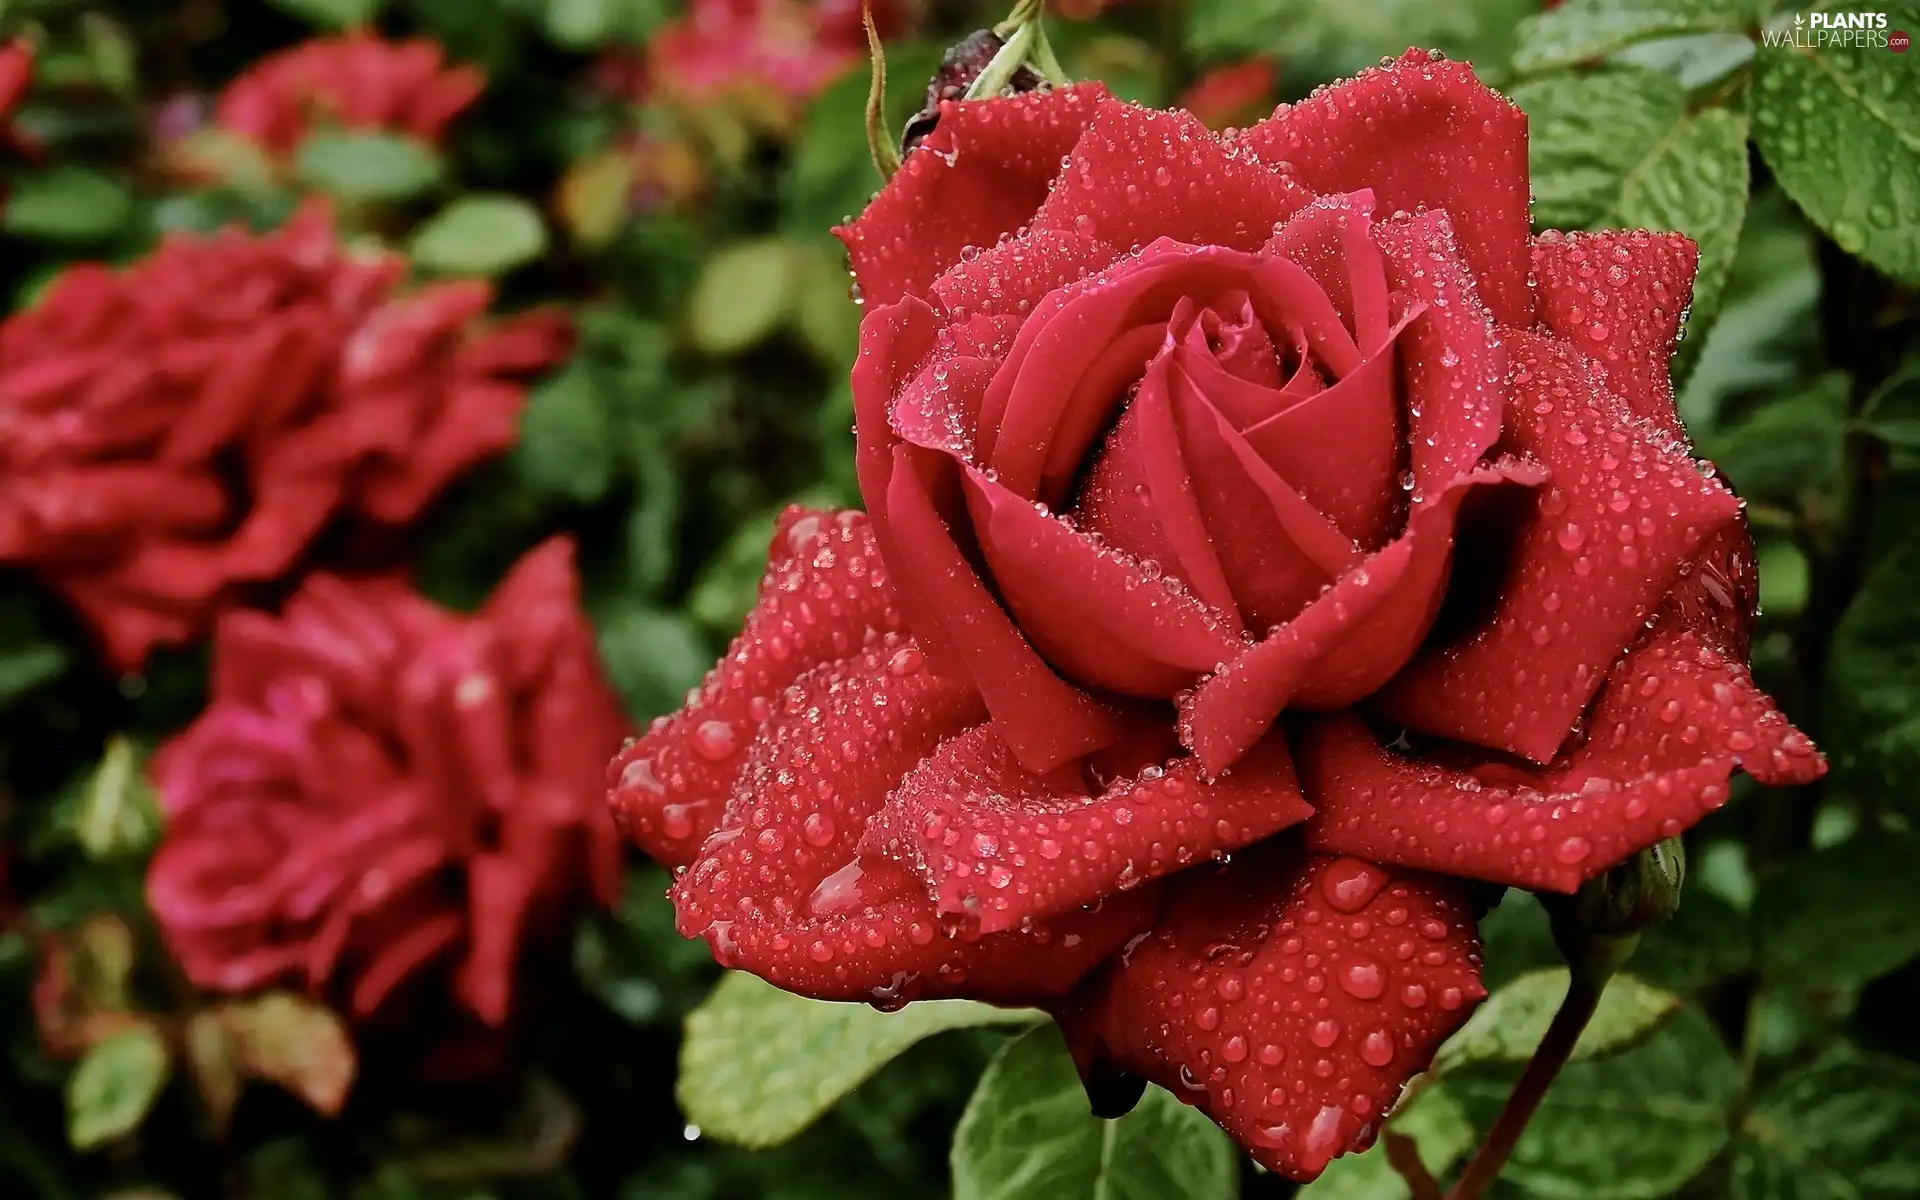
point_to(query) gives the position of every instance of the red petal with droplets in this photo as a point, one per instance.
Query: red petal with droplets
(1627, 508)
(1139, 174)
(1619, 297)
(1347, 642)
(1013, 275)
(1675, 720)
(1044, 718)
(982, 173)
(1421, 133)
(780, 889)
(824, 593)
(1000, 846)
(1288, 998)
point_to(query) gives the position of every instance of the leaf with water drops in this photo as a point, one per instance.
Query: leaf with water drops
(1842, 915)
(1509, 1026)
(1584, 31)
(759, 1065)
(1840, 127)
(1839, 1129)
(1028, 1134)
(1873, 681)
(1629, 1126)
(1587, 132)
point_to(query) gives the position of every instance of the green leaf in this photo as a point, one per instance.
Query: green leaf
(743, 295)
(1892, 413)
(331, 14)
(1791, 450)
(759, 1065)
(1840, 1129)
(1707, 940)
(1028, 1134)
(1842, 915)
(1323, 39)
(1873, 682)
(1617, 149)
(1840, 126)
(567, 446)
(1693, 181)
(586, 24)
(1439, 1129)
(480, 234)
(1587, 133)
(652, 658)
(118, 814)
(1631, 1126)
(1580, 32)
(1508, 1026)
(27, 657)
(1767, 333)
(368, 166)
(114, 1085)
(67, 203)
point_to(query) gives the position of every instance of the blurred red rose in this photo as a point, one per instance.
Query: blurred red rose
(16, 76)
(1233, 95)
(778, 51)
(357, 82)
(193, 421)
(1218, 490)
(380, 788)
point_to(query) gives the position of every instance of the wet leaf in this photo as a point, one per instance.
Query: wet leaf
(1509, 1024)
(1840, 1129)
(115, 1083)
(1873, 683)
(1842, 915)
(1840, 127)
(1630, 1126)
(1028, 1134)
(759, 1065)
(1583, 31)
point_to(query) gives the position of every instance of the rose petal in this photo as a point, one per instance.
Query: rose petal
(1422, 133)
(1331, 239)
(1453, 368)
(999, 846)
(779, 890)
(1619, 297)
(1288, 998)
(1089, 610)
(1676, 718)
(824, 594)
(1139, 174)
(1012, 275)
(1346, 643)
(980, 174)
(1626, 509)
(1044, 718)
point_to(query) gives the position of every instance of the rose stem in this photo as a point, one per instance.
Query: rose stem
(1403, 1155)
(1582, 998)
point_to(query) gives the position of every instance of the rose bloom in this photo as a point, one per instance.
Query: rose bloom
(380, 789)
(782, 51)
(190, 423)
(357, 83)
(1280, 499)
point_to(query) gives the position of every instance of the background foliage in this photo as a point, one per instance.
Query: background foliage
(1764, 1045)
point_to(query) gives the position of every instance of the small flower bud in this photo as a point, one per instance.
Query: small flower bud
(1598, 927)
(959, 67)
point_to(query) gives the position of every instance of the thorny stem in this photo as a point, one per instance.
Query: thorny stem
(1583, 997)
(1403, 1155)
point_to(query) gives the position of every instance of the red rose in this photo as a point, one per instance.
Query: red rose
(380, 787)
(1216, 488)
(191, 422)
(784, 50)
(16, 76)
(356, 82)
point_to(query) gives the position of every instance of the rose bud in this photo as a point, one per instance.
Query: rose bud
(1282, 499)
(963, 62)
(381, 791)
